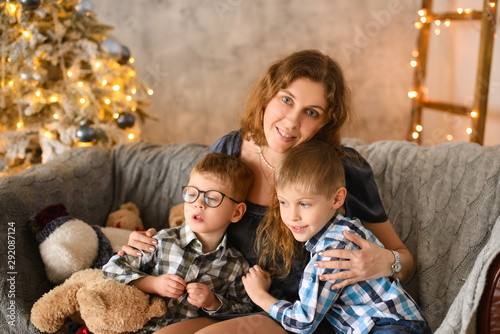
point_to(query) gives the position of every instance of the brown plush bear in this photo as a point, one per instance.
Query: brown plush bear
(127, 217)
(106, 306)
(176, 217)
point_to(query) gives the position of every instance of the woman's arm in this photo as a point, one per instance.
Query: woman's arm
(139, 240)
(371, 261)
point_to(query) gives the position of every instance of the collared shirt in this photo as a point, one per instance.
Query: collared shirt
(180, 253)
(353, 309)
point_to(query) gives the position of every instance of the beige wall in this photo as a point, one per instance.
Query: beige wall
(201, 57)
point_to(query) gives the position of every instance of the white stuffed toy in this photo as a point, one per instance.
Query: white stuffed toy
(68, 245)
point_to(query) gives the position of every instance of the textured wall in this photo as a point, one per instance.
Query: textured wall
(201, 57)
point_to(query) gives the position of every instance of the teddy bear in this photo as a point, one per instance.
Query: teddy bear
(176, 217)
(106, 306)
(68, 244)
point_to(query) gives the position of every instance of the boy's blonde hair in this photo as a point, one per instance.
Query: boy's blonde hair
(313, 167)
(229, 170)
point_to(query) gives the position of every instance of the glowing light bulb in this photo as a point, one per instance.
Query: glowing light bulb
(419, 128)
(131, 60)
(11, 83)
(422, 12)
(70, 74)
(460, 10)
(38, 93)
(415, 135)
(82, 100)
(449, 137)
(97, 64)
(415, 53)
(473, 114)
(20, 124)
(413, 63)
(26, 34)
(492, 4)
(104, 82)
(107, 101)
(131, 136)
(469, 131)
(437, 32)
(53, 99)
(129, 98)
(437, 22)
(12, 8)
(467, 10)
(80, 84)
(116, 88)
(133, 91)
(116, 115)
(447, 23)
(412, 94)
(423, 19)
(150, 91)
(56, 116)
(418, 25)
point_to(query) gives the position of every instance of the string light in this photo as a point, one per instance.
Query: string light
(116, 88)
(468, 11)
(20, 124)
(447, 23)
(97, 64)
(80, 84)
(133, 91)
(82, 100)
(460, 10)
(449, 137)
(415, 53)
(423, 19)
(38, 93)
(131, 60)
(129, 98)
(12, 8)
(437, 32)
(53, 98)
(11, 83)
(412, 94)
(469, 131)
(104, 83)
(419, 128)
(473, 114)
(413, 63)
(116, 115)
(418, 25)
(49, 134)
(70, 74)
(492, 4)
(131, 136)
(437, 22)
(150, 91)
(422, 12)
(56, 116)
(107, 101)
(415, 135)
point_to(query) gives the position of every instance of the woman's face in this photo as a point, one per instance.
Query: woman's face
(295, 114)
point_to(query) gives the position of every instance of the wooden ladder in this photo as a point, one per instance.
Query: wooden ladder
(477, 113)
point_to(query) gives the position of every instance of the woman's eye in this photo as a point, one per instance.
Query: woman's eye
(286, 99)
(312, 113)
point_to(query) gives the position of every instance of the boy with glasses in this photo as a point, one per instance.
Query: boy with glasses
(193, 267)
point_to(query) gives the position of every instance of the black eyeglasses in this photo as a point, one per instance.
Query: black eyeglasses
(212, 198)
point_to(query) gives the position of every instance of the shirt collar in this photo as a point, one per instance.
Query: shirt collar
(187, 236)
(311, 243)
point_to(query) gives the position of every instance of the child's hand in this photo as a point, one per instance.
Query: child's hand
(171, 286)
(256, 282)
(200, 295)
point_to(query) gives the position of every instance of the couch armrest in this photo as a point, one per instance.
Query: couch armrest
(488, 320)
(81, 179)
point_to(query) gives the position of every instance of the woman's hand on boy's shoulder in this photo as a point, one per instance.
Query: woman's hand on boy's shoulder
(139, 240)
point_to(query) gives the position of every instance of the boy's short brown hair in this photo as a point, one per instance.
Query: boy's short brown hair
(227, 169)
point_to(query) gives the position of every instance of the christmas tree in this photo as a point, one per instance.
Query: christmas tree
(64, 82)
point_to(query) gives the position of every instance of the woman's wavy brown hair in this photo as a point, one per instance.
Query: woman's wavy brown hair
(313, 168)
(310, 64)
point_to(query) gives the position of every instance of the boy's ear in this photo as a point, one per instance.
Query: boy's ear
(239, 211)
(339, 198)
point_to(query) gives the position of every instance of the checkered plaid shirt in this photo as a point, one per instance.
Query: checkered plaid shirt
(179, 252)
(353, 309)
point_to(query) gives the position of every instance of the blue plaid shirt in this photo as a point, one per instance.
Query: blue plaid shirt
(353, 309)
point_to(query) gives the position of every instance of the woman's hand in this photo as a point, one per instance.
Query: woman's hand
(141, 240)
(369, 262)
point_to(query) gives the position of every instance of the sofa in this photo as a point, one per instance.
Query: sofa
(444, 203)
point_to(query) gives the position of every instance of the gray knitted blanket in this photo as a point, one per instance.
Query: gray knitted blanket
(444, 202)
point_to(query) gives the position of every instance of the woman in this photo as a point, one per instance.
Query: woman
(301, 97)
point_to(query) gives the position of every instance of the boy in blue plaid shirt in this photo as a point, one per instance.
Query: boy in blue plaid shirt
(193, 267)
(307, 206)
